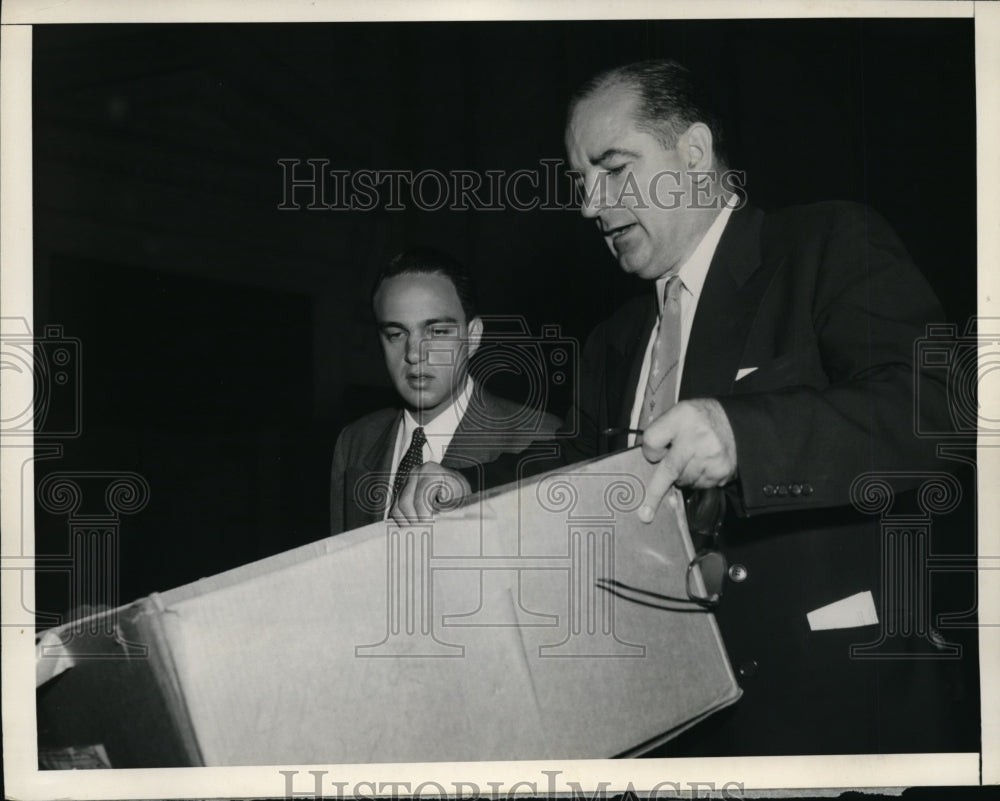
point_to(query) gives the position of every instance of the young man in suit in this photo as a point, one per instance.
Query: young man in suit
(771, 366)
(425, 311)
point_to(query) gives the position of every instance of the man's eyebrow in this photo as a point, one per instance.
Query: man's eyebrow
(610, 153)
(422, 324)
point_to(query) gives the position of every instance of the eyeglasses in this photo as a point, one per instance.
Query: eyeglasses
(706, 572)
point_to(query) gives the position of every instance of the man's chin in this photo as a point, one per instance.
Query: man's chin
(641, 268)
(629, 260)
(631, 265)
(421, 405)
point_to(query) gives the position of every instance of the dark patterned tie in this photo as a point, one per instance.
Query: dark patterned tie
(414, 456)
(661, 387)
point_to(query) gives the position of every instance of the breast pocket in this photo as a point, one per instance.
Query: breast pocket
(794, 369)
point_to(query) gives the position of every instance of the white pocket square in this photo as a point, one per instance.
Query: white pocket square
(848, 613)
(743, 372)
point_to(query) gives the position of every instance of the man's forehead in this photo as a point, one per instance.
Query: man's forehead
(430, 284)
(600, 120)
(418, 298)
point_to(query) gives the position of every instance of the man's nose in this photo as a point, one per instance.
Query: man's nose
(592, 200)
(413, 349)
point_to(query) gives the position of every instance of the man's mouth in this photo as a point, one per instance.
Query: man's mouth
(418, 379)
(618, 232)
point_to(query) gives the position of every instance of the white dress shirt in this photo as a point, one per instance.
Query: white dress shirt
(692, 276)
(439, 433)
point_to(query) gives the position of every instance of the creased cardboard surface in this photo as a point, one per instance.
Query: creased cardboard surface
(481, 636)
(485, 635)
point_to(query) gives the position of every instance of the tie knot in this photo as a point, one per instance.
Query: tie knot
(418, 437)
(672, 291)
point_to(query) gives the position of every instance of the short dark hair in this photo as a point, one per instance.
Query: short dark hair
(670, 100)
(430, 261)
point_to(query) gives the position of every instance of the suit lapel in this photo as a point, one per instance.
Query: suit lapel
(377, 460)
(726, 309)
(379, 457)
(626, 365)
(467, 445)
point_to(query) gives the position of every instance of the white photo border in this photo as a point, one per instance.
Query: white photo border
(25, 781)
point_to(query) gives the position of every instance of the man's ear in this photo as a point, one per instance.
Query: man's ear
(475, 334)
(696, 148)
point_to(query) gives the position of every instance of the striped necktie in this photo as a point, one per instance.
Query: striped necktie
(661, 386)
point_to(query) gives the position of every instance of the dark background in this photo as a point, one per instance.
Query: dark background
(224, 342)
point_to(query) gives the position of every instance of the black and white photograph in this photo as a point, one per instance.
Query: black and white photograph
(490, 395)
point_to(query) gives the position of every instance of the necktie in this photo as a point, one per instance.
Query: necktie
(661, 386)
(414, 455)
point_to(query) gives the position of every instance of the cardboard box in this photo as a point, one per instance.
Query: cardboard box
(483, 636)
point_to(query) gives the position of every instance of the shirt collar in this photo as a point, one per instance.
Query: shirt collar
(441, 429)
(694, 271)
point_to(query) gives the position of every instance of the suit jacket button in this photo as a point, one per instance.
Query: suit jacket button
(795, 489)
(769, 490)
(807, 489)
(748, 668)
(782, 490)
(738, 572)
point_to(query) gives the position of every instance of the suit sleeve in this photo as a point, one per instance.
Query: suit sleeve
(560, 443)
(337, 479)
(802, 445)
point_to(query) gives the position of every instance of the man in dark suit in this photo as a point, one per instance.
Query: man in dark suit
(424, 305)
(792, 335)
